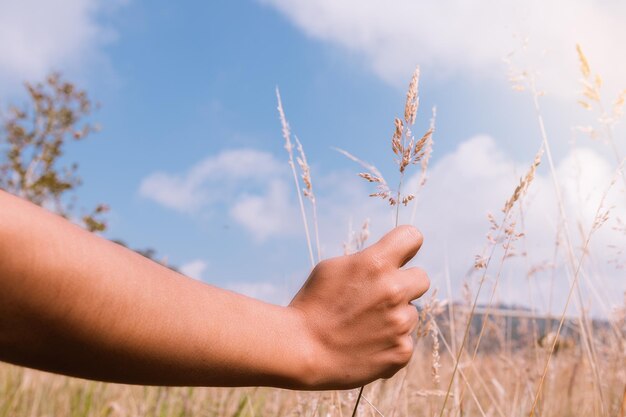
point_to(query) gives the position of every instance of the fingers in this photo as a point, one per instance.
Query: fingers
(414, 282)
(397, 247)
(409, 318)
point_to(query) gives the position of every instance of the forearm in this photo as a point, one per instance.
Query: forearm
(73, 303)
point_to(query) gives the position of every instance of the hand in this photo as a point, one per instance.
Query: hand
(357, 311)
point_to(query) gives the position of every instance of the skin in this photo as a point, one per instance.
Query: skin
(74, 303)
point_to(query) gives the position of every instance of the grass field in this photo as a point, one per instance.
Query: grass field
(500, 382)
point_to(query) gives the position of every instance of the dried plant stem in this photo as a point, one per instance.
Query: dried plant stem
(468, 326)
(452, 321)
(569, 297)
(302, 212)
(463, 376)
(399, 194)
(507, 227)
(289, 147)
(558, 331)
(609, 134)
(533, 320)
(358, 399)
(308, 192)
(395, 404)
(583, 320)
(485, 318)
(316, 229)
(591, 92)
(424, 162)
(373, 406)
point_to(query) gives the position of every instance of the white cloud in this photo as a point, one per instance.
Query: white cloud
(38, 36)
(252, 184)
(463, 186)
(266, 215)
(470, 38)
(194, 269)
(170, 191)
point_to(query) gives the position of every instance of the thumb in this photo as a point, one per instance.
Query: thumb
(398, 246)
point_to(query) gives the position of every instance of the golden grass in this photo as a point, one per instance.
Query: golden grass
(499, 383)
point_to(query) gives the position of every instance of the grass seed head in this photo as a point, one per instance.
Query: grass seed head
(618, 105)
(284, 124)
(584, 64)
(306, 171)
(412, 98)
(524, 183)
(396, 140)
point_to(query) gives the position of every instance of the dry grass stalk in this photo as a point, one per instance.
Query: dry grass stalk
(591, 86)
(427, 326)
(481, 262)
(25, 392)
(563, 226)
(598, 221)
(454, 357)
(308, 193)
(373, 175)
(425, 159)
(407, 149)
(436, 360)
(412, 98)
(618, 105)
(584, 64)
(523, 184)
(356, 241)
(289, 148)
(592, 97)
(428, 147)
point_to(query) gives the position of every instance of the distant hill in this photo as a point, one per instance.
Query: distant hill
(512, 327)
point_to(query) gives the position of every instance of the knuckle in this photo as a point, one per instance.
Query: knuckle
(322, 265)
(375, 263)
(353, 263)
(404, 320)
(397, 321)
(411, 319)
(401, 357)
(404, 351)
(393, 293)
(327, 265)
(415, 314)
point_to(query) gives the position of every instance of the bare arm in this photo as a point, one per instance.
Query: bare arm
(73, 303)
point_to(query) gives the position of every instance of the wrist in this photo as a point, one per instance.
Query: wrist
(305, 369)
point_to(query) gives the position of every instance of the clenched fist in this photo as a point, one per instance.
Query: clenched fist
(357, 312)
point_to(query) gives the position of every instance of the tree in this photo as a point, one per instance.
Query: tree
(32, 141)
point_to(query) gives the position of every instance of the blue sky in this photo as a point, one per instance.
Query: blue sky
(190, 157)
